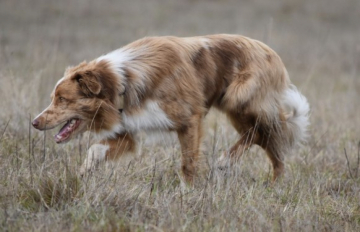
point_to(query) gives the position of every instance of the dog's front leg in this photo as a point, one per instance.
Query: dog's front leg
(108, 149)
(96, 154)
(190, 137)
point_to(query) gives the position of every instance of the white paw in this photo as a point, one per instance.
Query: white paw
(223, 162)
(88, 166)
(96, 154)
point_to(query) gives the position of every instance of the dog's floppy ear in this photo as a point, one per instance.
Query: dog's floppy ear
(88, 82)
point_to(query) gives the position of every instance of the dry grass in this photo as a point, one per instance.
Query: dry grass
(39, 190)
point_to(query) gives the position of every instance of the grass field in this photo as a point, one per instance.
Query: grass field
(319, 42)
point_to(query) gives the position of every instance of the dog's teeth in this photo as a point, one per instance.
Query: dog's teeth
(72, 122)
(58, 136)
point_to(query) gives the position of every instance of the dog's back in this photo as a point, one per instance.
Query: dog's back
(240, 76)
(170, 83)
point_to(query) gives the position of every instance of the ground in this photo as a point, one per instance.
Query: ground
(319, 42)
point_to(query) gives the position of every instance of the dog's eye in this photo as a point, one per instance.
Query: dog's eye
(61, 99)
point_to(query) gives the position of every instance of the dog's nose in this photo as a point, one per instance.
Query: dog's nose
(35, 123)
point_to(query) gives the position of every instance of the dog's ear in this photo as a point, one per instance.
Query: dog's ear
(89, 83)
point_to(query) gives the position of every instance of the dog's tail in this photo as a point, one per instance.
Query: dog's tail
(297, 109)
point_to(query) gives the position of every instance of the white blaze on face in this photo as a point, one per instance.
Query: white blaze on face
(39, 115)
(52, 101)
(58, 83)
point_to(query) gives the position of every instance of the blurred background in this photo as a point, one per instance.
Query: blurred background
(319, 42)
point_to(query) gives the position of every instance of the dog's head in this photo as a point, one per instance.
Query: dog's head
(86, 98)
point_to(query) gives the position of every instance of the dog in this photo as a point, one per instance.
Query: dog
(169, 84)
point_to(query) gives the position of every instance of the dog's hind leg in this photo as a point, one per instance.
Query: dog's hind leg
(277, 160)
(108, 149)
(254, 132)
(247, 127)
(275, 143)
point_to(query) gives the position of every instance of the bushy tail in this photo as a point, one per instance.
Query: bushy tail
(297, 116)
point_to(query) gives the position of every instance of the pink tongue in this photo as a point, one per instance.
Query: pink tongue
(66, 130)
(63, 133)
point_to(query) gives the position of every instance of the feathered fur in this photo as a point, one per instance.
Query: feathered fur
(170, 83)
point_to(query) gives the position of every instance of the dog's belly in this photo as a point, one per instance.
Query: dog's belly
(150, 117)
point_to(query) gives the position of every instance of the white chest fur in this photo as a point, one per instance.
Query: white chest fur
(151, 117)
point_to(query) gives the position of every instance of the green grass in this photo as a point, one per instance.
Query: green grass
(39, 185)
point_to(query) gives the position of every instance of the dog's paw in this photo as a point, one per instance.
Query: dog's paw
(223, 162)
(83, 171)
(88, 166)
(96, 154)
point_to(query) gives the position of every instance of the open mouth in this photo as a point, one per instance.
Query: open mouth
(66, 131)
